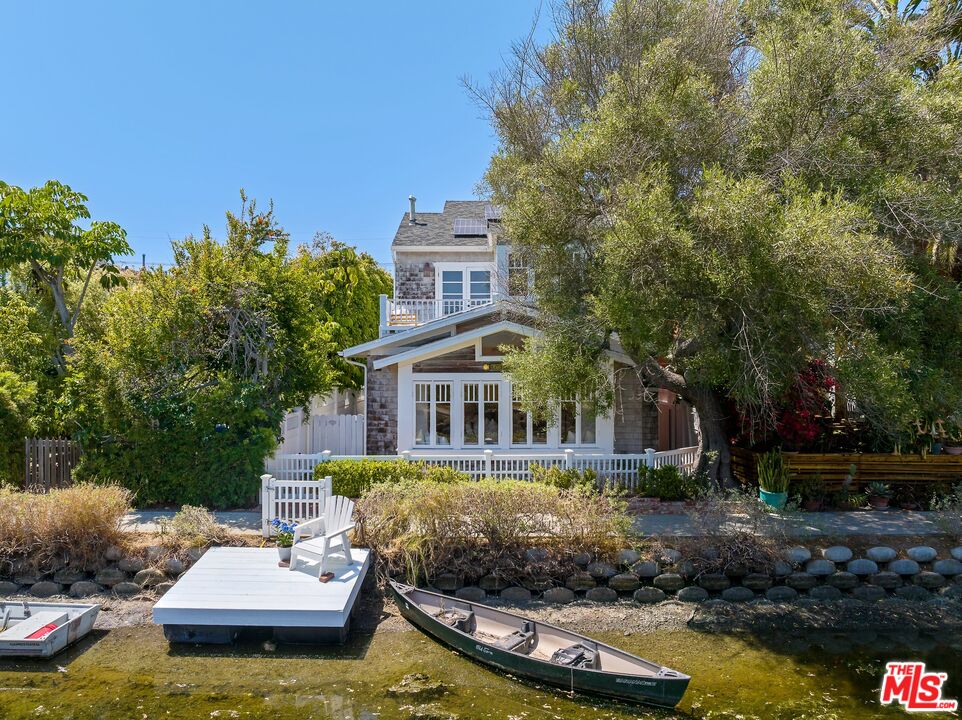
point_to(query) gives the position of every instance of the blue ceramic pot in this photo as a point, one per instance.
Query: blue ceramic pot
(776, 500)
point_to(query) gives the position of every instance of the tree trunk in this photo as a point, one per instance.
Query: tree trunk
(714, 452)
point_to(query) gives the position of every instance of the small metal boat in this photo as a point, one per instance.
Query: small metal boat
(38, 629)
(539, 651)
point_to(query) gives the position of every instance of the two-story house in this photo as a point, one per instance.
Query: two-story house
(434, 382)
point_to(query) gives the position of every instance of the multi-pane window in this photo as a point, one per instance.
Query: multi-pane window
(525, 428)
(577, 423)
(432, 413)
(480, 284)
(452, 291)
(481, 415)
(519, 275)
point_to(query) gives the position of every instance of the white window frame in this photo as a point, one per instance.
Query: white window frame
(481, 399)
(529, 434)
(465, 269)
(517, 261)
(579, 414)
(433, 387)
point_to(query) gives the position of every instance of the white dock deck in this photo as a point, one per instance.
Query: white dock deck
(245, 588)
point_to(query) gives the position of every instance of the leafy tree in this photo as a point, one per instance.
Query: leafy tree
(725, 191)
(181, 396)
(41, 229)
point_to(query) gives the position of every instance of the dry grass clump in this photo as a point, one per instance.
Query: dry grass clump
(73, 525)
(423, 528)
(195, 527)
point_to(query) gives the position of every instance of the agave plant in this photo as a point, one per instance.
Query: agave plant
(773, 472)
(879, 489)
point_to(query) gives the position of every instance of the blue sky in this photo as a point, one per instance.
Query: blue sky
(160, 112)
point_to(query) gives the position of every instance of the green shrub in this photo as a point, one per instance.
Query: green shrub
(669, 483)
(352, 477)
(422, 528)
(565, 479)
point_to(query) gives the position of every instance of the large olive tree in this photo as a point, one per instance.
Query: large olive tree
(727, 190)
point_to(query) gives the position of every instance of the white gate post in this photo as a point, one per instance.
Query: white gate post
(650, 457)
(267, 503)
(488, 464)
(569, 459)
(405, 455)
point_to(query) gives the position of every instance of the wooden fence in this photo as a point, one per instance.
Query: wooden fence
(48, 463)
(869, 467)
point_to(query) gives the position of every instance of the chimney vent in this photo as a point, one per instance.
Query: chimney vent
(413, 217)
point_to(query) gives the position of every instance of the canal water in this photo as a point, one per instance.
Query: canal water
(133, 674)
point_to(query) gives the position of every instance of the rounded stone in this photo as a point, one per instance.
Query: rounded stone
(45, 588)
(447, 582)
(801, 581)
(886, 579)
(601, 594)
(649, 595)
(602, 571)
(83, 588)
(164, 587)
(670, 556)
(535, 555)
(881, 554)
(131, 565)
(686, 568)
(922, 553)
(692, 594)
(492, 583)
(9, 588)
(904, 567)
(628, 557)
(797, 555)
(580, 581)
(646, 569)
(148, 577)
(956, 553)
(538, 583)
(113, 553)
(669, 582)
(952, 591)
(781, 568)
(560, 595)
(842, 580)
(737, 594)
(581, 559)
(27, 578)
(819, 568)
(126, 588)
(869, 593)
(518, 595)
(715, 582)
(471, 593)
(825, 592)
(759, 582)
(913, 592)
(837, 553)
(174, 566)
(736, 570)
(862, 567)
(624, 582)
(110, 576)
(929, 580)
(196, 554)
(950, 567)
(781, 593)
(68, 576)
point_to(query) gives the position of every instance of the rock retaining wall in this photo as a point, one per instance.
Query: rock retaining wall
(831, 573)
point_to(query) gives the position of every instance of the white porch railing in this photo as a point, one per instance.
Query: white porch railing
(407, 313)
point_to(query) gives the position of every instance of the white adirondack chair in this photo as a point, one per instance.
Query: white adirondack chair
(328, 535)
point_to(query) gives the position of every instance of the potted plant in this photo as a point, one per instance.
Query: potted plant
(811, 492)
(844, 499)
(284, 537)
(773, 479)
(879, 494)
(904, 496)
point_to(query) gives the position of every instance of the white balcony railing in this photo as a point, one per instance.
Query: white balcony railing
(401, 313)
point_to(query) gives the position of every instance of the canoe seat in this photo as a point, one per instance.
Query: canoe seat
(576, 655)
(33, 624)
(462, 620)
(519, 640)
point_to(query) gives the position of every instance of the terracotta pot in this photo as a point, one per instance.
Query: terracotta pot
(952, 449)
(811, 505)
(878, 502)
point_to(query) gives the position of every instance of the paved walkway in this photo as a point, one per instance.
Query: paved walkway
(809, 524)
(147, 521)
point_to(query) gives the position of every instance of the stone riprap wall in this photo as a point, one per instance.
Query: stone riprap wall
(119, 573)
(830, 573)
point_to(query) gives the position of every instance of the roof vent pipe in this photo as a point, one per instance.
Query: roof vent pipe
(413, 218)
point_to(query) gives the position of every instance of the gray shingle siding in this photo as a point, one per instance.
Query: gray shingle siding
(636, 415)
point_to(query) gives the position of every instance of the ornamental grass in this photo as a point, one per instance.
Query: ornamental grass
(422, 528)
(72, 526)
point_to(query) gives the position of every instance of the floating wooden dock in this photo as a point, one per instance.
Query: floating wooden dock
(230, 590)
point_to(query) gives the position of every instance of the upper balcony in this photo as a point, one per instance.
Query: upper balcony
(399, 314)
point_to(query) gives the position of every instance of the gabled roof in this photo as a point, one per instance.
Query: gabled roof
(455, 342)
(437, 229)
(441, 326)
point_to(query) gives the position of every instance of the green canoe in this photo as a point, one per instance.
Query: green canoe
(538, 651)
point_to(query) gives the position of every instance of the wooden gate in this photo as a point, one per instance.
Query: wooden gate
(49, 463)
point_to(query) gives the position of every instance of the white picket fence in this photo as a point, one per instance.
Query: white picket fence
(341, 434)
(290, 493)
